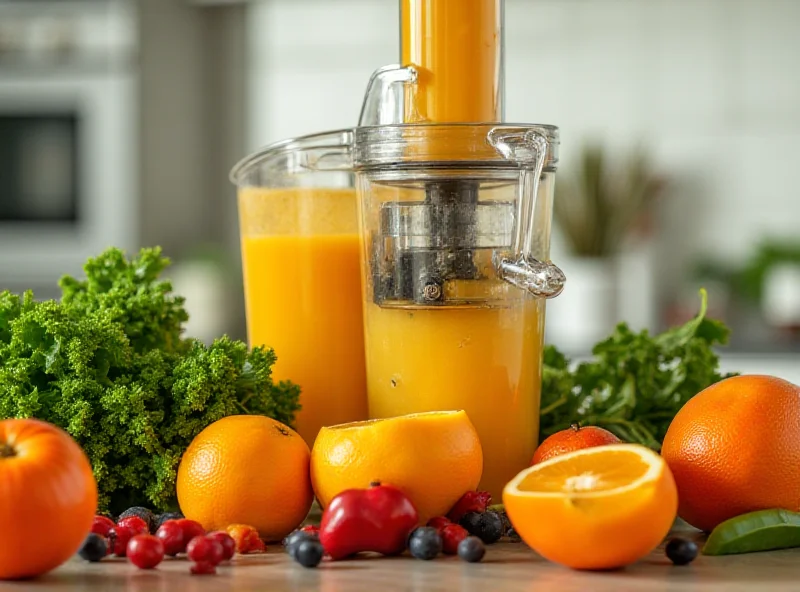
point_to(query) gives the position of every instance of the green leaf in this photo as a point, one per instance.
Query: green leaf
(635, 383)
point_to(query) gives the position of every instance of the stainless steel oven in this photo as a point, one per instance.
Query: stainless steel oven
(68, 140)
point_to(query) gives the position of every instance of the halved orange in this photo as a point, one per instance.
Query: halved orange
(597, 508)
(433, 457)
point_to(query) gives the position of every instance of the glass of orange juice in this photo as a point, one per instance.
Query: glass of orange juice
(455, 227)
(302, 283)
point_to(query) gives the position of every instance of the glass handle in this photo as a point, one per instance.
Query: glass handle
(528, 149)
(384, 100)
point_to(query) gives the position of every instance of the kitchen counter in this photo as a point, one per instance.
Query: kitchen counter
(507, 567)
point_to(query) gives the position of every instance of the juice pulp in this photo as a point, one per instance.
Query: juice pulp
(303, 297)
(486, 361)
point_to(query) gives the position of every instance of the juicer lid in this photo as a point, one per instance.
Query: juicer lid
(467, 145)
(404, 145)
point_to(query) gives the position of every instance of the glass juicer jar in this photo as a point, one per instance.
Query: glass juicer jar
(455, 231)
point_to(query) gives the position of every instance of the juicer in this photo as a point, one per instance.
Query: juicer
(452, 72)
(454, 217)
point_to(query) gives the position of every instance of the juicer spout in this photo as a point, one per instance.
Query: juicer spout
(542, 279)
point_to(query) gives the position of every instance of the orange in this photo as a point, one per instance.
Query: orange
(735, 448)
(434, 458)
(246, 469)
(48, 497)
(597, 508)
(574, 437)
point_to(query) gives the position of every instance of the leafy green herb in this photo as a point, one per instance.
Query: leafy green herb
(635, 383)
(108, 364)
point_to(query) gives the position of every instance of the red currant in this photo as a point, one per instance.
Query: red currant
(191, 529)
(136, 524)
(119, 537)
(203, 568)
(145, 551)
(102, 525)
(438, 522)
(227, 542)
(171, 535)
(203, 549)
(452, 534)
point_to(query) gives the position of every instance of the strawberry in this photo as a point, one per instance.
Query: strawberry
(472, 501)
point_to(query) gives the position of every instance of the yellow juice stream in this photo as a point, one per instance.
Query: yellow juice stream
(486, 361)
(456, 48)
(302, 281)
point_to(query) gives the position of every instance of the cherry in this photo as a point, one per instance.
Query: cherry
(227, 542)
(145, 551)
(191, 529)
(171, 535)
(203, 568)
(136, 524)
(203, 549)
(102, 525)
(119, 537)
(452, 535)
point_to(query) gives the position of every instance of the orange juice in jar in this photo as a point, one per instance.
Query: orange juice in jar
(302, 283)
(484, 360)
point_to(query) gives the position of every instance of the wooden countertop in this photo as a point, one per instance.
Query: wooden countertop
(507, 566)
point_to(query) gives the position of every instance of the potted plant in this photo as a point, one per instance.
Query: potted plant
(600, 207)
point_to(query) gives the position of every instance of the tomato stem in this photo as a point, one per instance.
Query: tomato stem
(7, 451)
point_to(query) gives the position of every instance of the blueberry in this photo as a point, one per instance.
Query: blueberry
(681, 551)
(513, 534)
(471, 522)
(471, 549)
(308, 553)
(94, 548)
(162, 518)
(487, 526)
(142, 513)
(425, 543)
(293, 540)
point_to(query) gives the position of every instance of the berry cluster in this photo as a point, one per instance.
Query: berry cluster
(145, 539)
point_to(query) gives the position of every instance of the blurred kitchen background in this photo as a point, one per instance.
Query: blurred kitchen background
(680, 122)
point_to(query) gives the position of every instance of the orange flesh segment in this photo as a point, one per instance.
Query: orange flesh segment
(587, 473)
